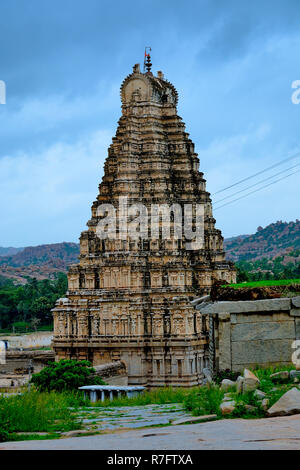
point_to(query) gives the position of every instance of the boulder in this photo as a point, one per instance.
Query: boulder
(250, 408)
(207, 375)
(294, 374)
(227, 399)
(259, 394)
(227, 407)
(227, 384)
(288, 404)
(251, 382)
(239, 384)
(281, 376)
(265, 404)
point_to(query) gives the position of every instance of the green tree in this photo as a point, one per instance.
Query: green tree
(66, 375)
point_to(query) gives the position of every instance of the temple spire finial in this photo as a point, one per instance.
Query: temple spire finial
(147, 60)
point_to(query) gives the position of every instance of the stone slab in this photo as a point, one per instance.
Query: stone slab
(296, 301)
(261, 351)
(194, 419)
(263, 330)
(247, 306)
(250, 317)
(295, 312)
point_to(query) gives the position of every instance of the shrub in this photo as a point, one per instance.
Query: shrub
(204, 400)
(4, 431)
(65, 375)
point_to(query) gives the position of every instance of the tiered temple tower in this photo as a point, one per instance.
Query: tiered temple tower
(129, 299)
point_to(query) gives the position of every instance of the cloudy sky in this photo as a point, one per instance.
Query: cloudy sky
(233, 64)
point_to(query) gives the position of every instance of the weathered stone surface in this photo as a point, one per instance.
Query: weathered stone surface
(207, 375)
(251, 382)
(194, 419)
(295, 312)
(200, 300)
(261, 317)
(247, 306)
(288, 404)
(262, 331)
(259, 394)
(227, 407)
(261, 351)
(227, 399)
(265, 404)
(225, 345)
(239, 384)
(227, 384)
(294, 373)
(280, 376)
(296, 301)
(250, 408)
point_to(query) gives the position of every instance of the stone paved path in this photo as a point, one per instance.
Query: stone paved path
(271, 433)
(113, 418)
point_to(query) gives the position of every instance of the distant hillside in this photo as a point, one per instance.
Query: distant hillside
(8, 251)
(41, 261)
(278, 239)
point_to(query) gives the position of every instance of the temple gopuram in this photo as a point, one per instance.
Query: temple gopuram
(129, 297)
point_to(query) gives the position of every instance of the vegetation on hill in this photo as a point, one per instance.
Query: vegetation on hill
(269, 269)
(277, 239)
(24, 308)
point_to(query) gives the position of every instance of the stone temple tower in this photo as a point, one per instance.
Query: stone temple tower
(129, 297)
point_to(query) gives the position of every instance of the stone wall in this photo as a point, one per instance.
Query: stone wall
(249, 333)
(40, 339)
(15, 371)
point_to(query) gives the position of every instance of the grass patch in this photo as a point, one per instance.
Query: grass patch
(204, 401)
(38, 412)
(31, 437)
(281, 282)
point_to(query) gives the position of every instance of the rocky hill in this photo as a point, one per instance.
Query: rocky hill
(41, 261)
(277, 239)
